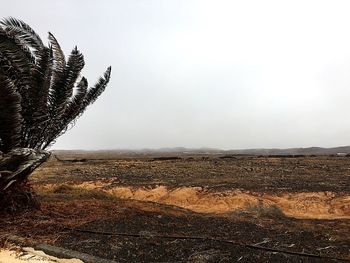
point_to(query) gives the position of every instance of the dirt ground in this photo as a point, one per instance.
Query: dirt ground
(192, 208)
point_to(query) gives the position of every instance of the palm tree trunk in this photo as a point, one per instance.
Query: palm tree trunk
(15, 167)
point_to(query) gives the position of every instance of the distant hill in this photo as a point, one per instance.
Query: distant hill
(183, 150)
(294, 151)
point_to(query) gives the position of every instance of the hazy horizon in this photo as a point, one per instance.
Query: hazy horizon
(195, 73)
(199, 148)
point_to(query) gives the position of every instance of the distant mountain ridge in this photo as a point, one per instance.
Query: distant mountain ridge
(183, 150)
(294, 151)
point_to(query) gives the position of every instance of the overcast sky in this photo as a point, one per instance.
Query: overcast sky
(225, 74)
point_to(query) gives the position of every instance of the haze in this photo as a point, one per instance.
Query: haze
(224, 74)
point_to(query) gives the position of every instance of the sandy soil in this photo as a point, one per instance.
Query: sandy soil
(29, 255)
(310, 205)
(304, 205)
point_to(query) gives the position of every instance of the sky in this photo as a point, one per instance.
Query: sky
(200, 73)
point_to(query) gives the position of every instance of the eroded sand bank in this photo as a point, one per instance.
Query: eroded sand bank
(303, 205)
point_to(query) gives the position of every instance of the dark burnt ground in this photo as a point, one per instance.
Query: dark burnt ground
(149, 224)
(260, 174)
(155, 228)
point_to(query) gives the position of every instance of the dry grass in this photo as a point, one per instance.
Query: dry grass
(68, 192)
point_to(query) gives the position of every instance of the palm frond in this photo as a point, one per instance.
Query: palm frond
(38, 94)
(95, 91)
(74, 66)
(23, 32)
(62, 90)
(18, 65)
(72, 111)
(10, 115)
(58, 57)
(76, 103)
(41, 81)
(17, 54)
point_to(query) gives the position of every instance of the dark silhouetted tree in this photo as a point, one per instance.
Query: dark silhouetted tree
(41, 95)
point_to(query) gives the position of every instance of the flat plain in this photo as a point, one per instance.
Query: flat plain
(192, 208)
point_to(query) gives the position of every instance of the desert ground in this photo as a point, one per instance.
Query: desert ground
(191, 208)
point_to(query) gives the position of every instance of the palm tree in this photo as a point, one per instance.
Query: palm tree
(41, 96)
